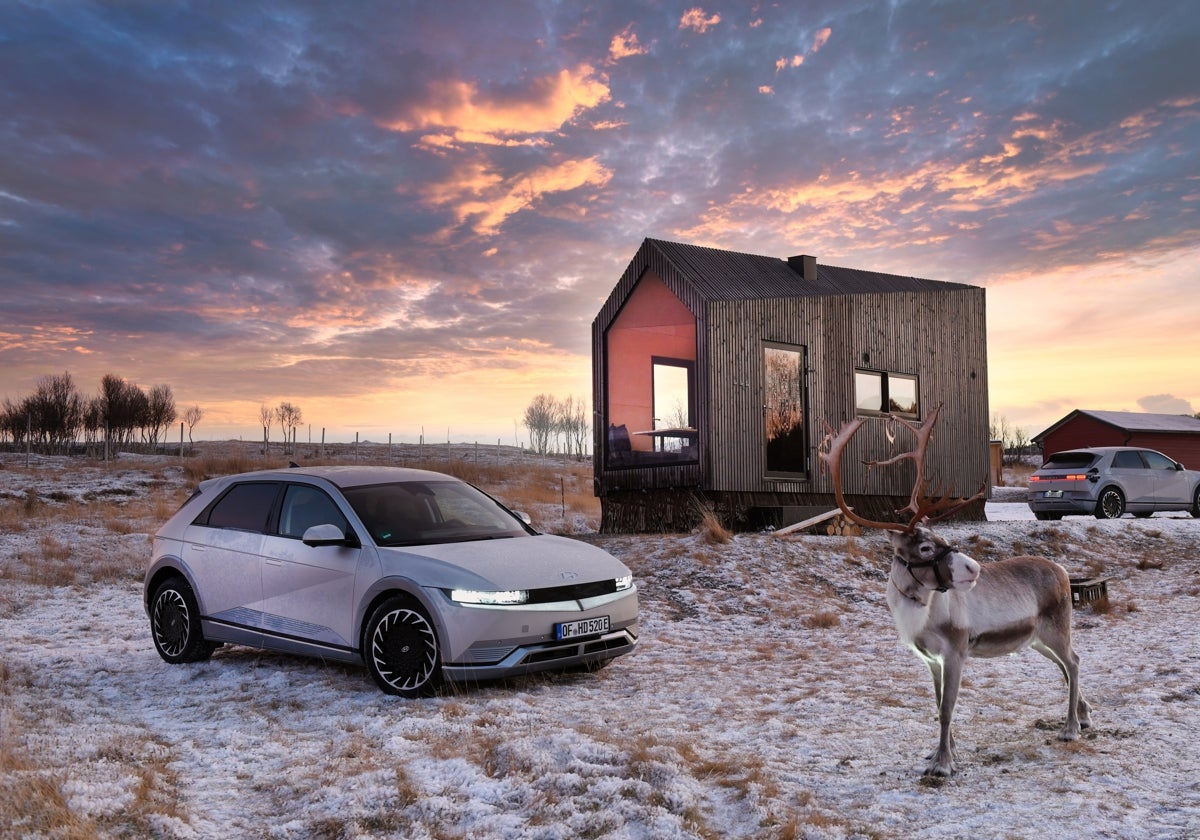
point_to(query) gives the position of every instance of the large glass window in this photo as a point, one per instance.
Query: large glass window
(882, 392)
(784, 409)
(650, 381)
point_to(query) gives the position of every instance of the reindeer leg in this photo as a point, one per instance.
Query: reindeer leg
(1078, 710)
(935, 671)
(942, 763)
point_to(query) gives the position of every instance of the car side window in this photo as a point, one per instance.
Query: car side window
(244, 507)
(1158, 461)
(305, 506)
(1128, 460)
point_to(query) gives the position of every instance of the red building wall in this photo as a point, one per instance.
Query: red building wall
(1082, 431)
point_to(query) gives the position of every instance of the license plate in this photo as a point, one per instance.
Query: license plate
(583, 627)
(1053, 494)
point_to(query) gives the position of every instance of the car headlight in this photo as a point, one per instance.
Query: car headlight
(624, 582)
(504, 598)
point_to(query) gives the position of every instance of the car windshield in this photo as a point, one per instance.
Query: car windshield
(428, 512)
(1070, 461)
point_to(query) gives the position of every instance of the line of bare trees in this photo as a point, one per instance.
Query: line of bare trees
(557, 425)
(56, 416)
(288, 416)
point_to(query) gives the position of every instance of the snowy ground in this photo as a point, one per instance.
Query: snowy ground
(769, 698)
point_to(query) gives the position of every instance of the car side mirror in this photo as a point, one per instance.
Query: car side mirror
(328, 534)
(523, 516)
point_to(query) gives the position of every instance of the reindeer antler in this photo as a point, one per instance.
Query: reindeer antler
(924, 506)
(833, 459)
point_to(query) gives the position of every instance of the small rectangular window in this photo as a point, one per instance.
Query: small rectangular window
(881, 392)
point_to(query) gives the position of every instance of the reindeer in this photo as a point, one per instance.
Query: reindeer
(948, 607)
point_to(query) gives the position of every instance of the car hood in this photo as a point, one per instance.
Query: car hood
(533, 562)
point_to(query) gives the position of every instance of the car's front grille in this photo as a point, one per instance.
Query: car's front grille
(572, 592)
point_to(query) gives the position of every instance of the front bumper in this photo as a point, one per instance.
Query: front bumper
(490, 642)
(544, 656)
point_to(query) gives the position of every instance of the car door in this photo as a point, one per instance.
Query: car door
(1135, 477)
(308, 591)
(222, 550)
(1172, 489)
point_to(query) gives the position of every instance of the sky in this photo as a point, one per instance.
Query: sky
(403, 217)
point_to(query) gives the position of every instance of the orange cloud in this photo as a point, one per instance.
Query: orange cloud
(821, 38)
(625, 44)
(457, 111)
(478, 195)
(841, 206)
(696, 20)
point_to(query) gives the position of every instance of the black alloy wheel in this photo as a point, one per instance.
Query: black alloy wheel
(401, 649)
(175, 624)
(1111, 504)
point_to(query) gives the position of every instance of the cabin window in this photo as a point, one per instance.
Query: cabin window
(883, 392)
(784, 409)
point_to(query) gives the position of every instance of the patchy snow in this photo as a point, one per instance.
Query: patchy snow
(769, 697)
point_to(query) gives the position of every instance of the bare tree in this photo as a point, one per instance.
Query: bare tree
(289, 418)
(540, 417)
(161, 413)
(125, 409)
(266, 416)
(573, 423)
(191, 417)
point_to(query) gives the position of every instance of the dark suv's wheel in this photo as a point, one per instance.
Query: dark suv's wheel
(1196, 504)
(1111, 504)
(175, 623)
(400, 648)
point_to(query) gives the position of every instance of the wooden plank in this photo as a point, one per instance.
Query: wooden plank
(808, 523)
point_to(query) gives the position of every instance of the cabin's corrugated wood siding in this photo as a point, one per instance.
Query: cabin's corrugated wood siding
(939, 336)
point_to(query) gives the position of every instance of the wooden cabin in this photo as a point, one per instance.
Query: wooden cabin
(714, 373)
(1175, 435)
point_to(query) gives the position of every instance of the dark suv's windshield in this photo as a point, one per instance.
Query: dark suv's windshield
(427, 512)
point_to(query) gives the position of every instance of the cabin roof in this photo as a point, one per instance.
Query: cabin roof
(728, 275)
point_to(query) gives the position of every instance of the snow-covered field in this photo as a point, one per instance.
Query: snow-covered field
(769, 698)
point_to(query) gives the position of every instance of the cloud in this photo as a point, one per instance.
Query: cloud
(625, 44)
(485, 200)
(463, 113)
(1165, 404)
(697, 20)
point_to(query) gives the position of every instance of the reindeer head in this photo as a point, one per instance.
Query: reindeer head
(932, 562)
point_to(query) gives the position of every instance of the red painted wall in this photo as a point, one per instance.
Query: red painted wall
(1082, 431)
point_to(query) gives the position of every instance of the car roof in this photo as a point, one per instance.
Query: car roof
(340, 476)
(1103, 450)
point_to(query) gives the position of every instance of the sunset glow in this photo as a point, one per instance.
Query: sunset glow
(405, 222)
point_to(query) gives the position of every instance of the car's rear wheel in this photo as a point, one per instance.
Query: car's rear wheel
(401, 650)
(1196, 504)
(1111, 504)
(175, 623)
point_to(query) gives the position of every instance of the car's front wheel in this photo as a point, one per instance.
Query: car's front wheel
(1111, 504)
(175, 624)
(401, 650)
(1196, 504)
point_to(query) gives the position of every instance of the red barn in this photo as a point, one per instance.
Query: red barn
(1175, 435)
